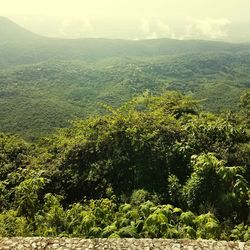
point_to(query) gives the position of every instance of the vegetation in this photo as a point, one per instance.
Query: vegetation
(157, 166)
(46, 82)
(136, 160)
(37, 98)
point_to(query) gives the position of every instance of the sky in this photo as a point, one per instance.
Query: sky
(131, 19)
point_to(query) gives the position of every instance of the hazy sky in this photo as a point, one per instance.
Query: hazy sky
(235, 9)
(129, 18)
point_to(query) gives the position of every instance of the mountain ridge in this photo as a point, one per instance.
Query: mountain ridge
(10, 30)
(23, 46)
(8, 22)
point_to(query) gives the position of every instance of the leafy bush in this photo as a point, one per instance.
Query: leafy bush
(155, 167)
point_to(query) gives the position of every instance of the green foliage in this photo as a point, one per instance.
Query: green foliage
(14, 154)
(51, 220)
(27, 196)
(174, 189)
(208, 226)
(228, 189)
(82, 221)
(140, 196)
(12, 225)
(39, 97)
(241, 232)
(154, 167)
(187, 218)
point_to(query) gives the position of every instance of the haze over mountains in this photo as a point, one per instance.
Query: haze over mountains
(23, 46)
(214, 29)
(45, 82)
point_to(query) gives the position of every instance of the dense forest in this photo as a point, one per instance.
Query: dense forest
(157, 166)
(115, 138)
(36, 98)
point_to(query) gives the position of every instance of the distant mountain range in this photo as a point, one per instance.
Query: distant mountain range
(19, 45)
(213, 29)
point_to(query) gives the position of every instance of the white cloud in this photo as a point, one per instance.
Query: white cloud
(209, 28)
(165, 30)
(152, 29)
(145, 27)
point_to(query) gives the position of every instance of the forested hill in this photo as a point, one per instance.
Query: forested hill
(11, 32)
(45, 82)
(21, 46)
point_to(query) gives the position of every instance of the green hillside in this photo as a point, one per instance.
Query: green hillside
(46, 82)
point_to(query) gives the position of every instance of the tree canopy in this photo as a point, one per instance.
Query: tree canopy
(157, 166)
